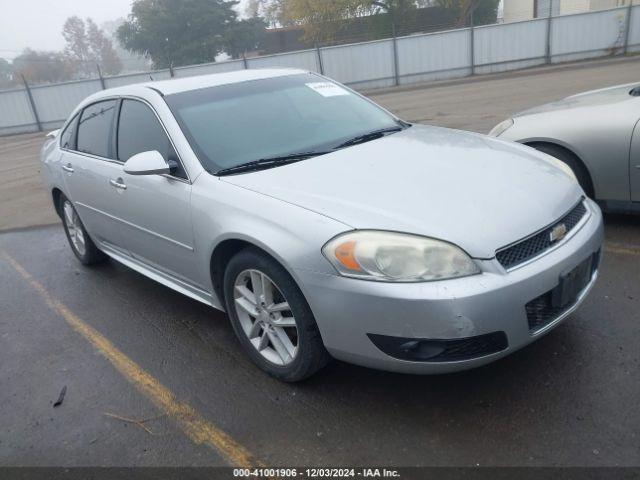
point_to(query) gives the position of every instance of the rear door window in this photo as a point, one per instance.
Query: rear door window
(95, 129)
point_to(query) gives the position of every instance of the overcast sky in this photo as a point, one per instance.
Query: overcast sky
(38, 23)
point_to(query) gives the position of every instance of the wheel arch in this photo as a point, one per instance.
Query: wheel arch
(225, 250)
(570, 152)
(56, 193)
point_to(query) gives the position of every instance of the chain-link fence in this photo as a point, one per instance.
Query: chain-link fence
(522, 34)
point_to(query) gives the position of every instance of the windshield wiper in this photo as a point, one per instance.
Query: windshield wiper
(270, 162)
(366, 137)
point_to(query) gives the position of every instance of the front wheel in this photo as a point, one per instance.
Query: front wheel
(79, 240)
(271, 317)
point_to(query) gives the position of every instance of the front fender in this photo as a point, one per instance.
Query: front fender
(292, 235)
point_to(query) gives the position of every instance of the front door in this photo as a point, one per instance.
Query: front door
(156, 216)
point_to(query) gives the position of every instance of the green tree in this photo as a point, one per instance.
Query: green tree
(322, 20)
(42, 67)
(484, 11)
(178, 32)
(88, 46)
(6, 74)
(245, 36)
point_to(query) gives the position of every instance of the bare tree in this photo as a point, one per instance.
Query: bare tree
(88, 46)
(6, 74)
(41, 67)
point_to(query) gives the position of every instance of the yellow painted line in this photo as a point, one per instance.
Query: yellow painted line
(622, 250)
(192, 423)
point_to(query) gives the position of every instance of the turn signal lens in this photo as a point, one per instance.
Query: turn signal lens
(344, 253)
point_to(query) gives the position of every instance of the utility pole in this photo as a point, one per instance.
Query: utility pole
(548, 46)
(320, 63)
(100, 77)
(390, 10)
(472, 39)
(32, 103)
(627, 27)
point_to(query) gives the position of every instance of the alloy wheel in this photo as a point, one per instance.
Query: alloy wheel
(74, 228)
(266, 317)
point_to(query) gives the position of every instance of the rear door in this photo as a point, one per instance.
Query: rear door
(156, 215)
(89, 162)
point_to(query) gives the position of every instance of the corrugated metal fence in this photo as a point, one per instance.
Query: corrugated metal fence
(383, 63)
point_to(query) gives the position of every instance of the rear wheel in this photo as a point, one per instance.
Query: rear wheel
(271, 317)
(79, 240)
(572, 161)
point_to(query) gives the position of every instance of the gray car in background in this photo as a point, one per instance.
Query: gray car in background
(596, 133)
(322, 224)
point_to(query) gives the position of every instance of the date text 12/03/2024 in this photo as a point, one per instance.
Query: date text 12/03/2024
(316, 473)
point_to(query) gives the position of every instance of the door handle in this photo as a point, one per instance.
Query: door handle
(67, 168)
(118, 184)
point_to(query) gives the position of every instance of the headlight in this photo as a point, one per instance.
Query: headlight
(396, 257)
(500, 128)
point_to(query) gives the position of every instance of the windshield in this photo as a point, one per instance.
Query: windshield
(231, 125)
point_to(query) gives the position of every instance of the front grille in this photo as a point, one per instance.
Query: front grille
(474, 347)
(541, 310)
(534, 245)
(440, 350)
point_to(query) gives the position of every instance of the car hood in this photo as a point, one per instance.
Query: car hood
(604, 96)
(477, 192)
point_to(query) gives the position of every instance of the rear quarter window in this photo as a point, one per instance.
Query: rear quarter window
(95, 129)
(68, 137)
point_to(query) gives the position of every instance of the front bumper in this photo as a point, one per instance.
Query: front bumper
(348, 311)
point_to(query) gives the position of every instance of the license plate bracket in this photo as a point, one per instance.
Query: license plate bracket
(572, 283)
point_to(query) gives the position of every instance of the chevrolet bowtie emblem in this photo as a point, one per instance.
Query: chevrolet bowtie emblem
(557, 233)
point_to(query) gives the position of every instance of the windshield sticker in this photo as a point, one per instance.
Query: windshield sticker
(327, 89)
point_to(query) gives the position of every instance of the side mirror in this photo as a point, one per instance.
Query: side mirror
(147, 163)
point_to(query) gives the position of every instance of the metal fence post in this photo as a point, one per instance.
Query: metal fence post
(627, 28)
(100, 77)
(548, 46)
(320, 64)
(396, 73)
(472, 41)
(32, 103)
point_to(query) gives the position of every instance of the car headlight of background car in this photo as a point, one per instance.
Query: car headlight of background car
(396, 257)
(500, 128)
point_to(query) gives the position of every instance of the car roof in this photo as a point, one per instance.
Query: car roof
(176, 85)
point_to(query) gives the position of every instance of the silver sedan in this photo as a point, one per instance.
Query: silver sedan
(322, 224)
(596, 134)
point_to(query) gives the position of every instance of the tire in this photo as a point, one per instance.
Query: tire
(79, 240)
(251, 266)
(572, 161)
